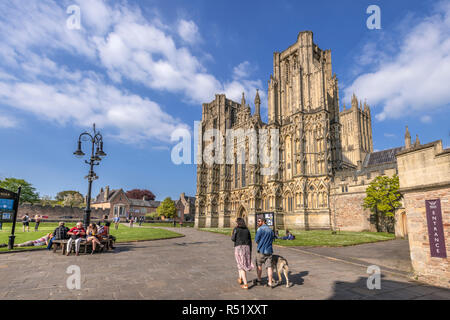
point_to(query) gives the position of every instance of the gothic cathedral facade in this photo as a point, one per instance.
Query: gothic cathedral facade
(303, 106)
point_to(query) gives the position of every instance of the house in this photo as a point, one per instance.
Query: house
(185, 208)
(120, 205)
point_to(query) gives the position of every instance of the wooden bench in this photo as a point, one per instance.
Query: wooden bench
(62, 244)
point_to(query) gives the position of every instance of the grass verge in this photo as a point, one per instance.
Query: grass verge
(319, 238)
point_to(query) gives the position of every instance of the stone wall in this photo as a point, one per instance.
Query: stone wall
(424, 172)
(55, 213)
(427, 268)
(350, 214)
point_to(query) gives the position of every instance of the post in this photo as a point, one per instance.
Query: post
(16, 208)
(87, 213)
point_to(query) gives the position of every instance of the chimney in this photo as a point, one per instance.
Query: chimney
(106, 193)
(144, 198)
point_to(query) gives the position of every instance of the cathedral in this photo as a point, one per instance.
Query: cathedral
(316, 143)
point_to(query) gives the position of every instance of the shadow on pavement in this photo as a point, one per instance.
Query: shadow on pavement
(388, 290)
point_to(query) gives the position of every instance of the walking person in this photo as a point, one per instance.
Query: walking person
(37, 220)
(242, 251)
(76, 234)
(264, 238)
(131, 221)
(26, 222)
(116, 222)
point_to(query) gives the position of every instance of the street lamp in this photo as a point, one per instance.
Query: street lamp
(97, 144)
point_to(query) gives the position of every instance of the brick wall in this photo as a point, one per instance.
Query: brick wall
(430, 269)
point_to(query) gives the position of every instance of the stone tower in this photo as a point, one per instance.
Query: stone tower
(356, 133)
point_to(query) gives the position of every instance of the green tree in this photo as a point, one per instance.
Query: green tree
(60, 196)
(383, 197)
(73, 200)
(167, 208)
(28, 192)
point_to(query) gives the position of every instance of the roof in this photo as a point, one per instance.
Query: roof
(144, 203)
(382, 157)
(101, 196)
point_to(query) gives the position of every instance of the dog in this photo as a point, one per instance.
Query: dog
(280, 264)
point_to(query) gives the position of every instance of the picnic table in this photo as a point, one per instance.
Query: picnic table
(62, 244)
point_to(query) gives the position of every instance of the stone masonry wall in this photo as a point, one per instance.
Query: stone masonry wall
(55, 213)
(430, 269)
(350, 214)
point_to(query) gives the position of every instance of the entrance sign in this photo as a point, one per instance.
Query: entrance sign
(435, 228)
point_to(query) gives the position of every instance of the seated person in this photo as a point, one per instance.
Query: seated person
(106, 235)
(92, 236)
(60, 233)
(76, 234)
(288, 236)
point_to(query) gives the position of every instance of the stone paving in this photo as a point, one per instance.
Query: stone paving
(198, 266)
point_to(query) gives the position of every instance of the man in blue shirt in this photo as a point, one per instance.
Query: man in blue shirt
(264, 238)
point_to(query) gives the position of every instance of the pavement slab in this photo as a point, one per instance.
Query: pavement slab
(201, 266)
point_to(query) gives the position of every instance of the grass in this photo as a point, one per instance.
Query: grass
(123, 234)
(320, 238)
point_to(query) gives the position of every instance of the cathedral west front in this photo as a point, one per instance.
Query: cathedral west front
(316, 142)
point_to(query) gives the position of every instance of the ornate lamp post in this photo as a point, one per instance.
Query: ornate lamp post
(96, 140)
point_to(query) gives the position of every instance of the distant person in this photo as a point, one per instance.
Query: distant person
(76, 234)
(242, 251)
(131, 221)
(26, 222)
(60, 233)
(264, 238)
(37, 220)
(288, 236)
(116, 222)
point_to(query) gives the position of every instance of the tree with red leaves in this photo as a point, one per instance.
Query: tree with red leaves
(140, 193)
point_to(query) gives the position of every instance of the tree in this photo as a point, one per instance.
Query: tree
(73, 200)
(140, 193)
(60, 196)
(28, 192)
(383, 197)
(167, 208)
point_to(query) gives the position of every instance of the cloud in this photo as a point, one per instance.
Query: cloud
(389, 135)
(38, 72)
(426, 119)
(7, 122)
(415, 78)
(188, 31)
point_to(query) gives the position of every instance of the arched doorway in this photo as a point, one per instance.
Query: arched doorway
(242, 213)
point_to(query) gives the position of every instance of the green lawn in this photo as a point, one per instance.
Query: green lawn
(320, 238)
(123, 234)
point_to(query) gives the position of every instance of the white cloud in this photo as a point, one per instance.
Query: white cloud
(188, 31)
(415, 79)
(426, 119)
(7, 121)
(389, 135)
(36, 75)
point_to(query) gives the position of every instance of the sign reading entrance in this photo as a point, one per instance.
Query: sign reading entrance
(435, 228)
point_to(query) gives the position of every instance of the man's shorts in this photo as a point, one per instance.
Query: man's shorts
(26, 224)
(264, 259)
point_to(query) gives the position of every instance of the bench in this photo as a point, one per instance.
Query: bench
(62, 244)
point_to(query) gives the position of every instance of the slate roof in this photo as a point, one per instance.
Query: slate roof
(101, 196)
(144, 203)
(382, 157)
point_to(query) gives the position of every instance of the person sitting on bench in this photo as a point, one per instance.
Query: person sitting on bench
(60, 233)
(76, 234)
(92, 236)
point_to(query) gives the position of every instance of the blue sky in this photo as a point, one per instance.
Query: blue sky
(141, 69)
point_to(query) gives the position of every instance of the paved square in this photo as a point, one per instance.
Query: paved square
(198, 266)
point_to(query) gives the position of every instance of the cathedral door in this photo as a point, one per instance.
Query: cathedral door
(243, 214)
